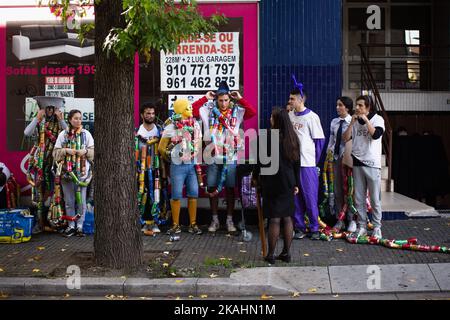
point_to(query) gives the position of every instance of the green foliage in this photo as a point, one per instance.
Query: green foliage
(218, 262)
(150, 25)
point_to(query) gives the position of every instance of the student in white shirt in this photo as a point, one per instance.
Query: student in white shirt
(148, 130)
(309, 131)
(336, 145)
(366, 130)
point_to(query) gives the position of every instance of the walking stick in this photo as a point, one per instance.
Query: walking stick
(262, 234)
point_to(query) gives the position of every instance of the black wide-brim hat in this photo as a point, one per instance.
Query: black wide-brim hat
(44, 102)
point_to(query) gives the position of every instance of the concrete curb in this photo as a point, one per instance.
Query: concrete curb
(274, 281)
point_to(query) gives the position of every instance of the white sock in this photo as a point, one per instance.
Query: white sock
(229, 219)
(215, 217)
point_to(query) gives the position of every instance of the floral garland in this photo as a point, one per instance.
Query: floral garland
(40, 161)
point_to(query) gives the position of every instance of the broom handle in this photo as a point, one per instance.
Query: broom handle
(262, 234)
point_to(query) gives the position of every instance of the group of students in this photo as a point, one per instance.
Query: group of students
(293, 191)
(63, 157)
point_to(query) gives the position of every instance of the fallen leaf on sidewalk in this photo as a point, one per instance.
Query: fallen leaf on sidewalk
(336, 296)
(166, 252)
(427, 229)
(312, 290)
(240, 243)
(168, 242)
(243, 251)
(3, 295)
(173, 274)
(229, 259)
(266, 297)
(41, 248)
(1, 270)
(306, 254)
(145, 298)
(177, 298)
(191, 297)
(66, 295)
(123, 277)
(36, 270)
(340, 250)
(222, 259)
(165, 265)
(62, 250)
(37, 258)
(296, 294)
(179, 281)
(110, 296)
(412, 280)
(213, 275)
(203, 296)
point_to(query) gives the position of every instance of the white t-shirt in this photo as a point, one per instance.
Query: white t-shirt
(148, 134)
(334, 127)
(308, 128)
(6, 172)
(88, 143)
(204, 115)
(365, 148)
(169, 132)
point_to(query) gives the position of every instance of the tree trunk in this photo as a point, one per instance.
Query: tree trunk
(117, 240)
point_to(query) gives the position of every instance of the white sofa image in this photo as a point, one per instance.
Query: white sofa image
(37, 41)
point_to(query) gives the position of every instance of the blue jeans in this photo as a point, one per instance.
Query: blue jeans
(181, 174)
(214, 172)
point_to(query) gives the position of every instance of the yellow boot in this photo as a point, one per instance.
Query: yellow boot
(192, 209)
(175, 205)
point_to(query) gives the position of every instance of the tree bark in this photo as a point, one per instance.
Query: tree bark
(117, 240)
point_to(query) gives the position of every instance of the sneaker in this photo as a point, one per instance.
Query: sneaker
(315, 235)
(230, 226)
(175, 229)
(339, 225)
(155, 229)
(352, 227)
(79, 233)
(299, 234)
(362, 232)
(194, 229)
(213, 226)
(69, 232)
(377, 233)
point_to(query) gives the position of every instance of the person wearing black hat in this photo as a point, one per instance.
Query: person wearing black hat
(46, 127)
(221, 121)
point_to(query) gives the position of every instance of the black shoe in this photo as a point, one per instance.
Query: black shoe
(69, 232)
(299, 234)
(315, 235)
(269, 259)
(284, 257)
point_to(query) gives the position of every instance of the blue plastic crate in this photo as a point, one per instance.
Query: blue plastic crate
(89, 224)
(15, 225)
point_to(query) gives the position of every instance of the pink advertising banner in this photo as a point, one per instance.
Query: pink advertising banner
(16, 68)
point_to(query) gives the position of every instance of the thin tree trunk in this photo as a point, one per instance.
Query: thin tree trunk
(117, 241)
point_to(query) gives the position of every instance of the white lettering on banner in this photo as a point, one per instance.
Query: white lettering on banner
(200, 64)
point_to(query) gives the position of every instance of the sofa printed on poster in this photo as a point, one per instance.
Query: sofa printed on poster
(36, 41)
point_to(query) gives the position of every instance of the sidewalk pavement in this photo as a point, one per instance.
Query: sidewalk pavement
(269, 281)
(317, 268)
